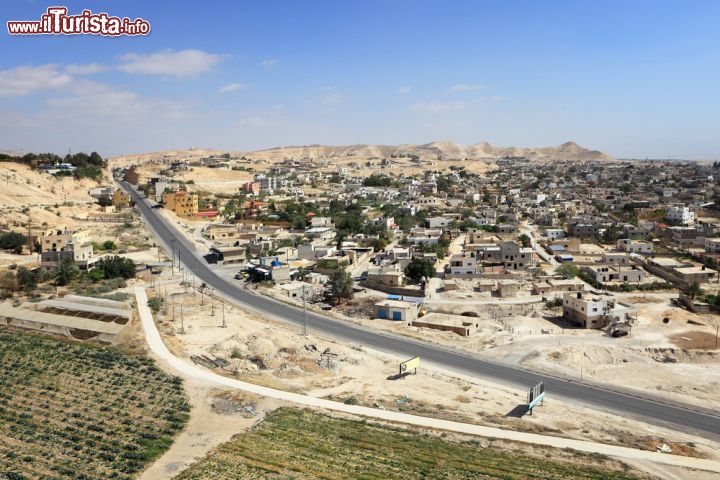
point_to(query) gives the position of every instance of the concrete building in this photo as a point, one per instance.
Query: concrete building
(612, 273)
(712, 245)
(60, 244)
(594, 310)
(398, 310)
(182, 203)
(120, 199)
(680, 215)
(634, 246)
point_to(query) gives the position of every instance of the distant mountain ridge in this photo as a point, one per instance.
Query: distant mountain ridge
(439, 150)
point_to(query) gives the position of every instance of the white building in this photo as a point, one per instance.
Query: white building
(712, 245)
(680, 215)
(634, 246)
(554, 233)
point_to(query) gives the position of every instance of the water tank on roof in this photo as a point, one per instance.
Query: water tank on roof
(275, 263)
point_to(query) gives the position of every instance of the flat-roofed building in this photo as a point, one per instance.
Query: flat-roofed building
(182, 203)
(595, 310)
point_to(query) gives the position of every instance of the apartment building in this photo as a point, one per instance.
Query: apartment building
(182, 203)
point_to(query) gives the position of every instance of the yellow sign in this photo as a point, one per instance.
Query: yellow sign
(409, 365)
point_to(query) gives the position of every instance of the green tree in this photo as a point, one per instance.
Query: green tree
(419, 268)
(109, 245)
(693, 290)
(341, 284)
(12, 241)
(116, 266)
(104, 201)
(65, 272)
(525, 240)
(27, 279)
(568, 270)
(95, 274)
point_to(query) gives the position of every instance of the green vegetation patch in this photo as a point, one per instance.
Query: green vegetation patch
(298, 444)
(75, 411)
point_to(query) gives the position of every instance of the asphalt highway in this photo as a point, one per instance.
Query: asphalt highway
(691, 419)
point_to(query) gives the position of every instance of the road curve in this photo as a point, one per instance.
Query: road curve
(690, 419)
(185, 368)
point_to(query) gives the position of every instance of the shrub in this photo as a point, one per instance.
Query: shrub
(12, 241)
(116, 267)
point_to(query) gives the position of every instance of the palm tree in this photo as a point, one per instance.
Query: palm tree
(693, 290)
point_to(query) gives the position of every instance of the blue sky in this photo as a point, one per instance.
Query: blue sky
(634, 79)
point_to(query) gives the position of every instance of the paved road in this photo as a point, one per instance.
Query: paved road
(657, 411)
(186, 369)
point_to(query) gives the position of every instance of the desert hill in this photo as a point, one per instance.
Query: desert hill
(437, 151)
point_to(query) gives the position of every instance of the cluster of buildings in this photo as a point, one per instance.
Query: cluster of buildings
(624, 225)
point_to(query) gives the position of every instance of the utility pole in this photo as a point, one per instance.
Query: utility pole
(304, 313)
(223, 313)
(212, 304)
(172, 259)
(182, 320)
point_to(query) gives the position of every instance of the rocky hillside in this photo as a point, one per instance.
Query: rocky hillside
(435, 151)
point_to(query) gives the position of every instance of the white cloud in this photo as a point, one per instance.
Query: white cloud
(232, 87)
(436, 107)
(269, 63)
(168, 62)
(87, 69)
(253, 122)
(404, 90)
(26, 79)
(466, 87)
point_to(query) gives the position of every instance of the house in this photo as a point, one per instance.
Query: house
(388, 277)
(132, 176)
(182, 203)
(611, 273)
(465, 263)
(296, 289)
(398, 310)
(695, 273)
(253, 188)
(680, 215)
(595, 310)
(554, 233)
(516, 257)
(321, 222)
(120, 199)
(425, 236)
(615, 258)
(439, 222)
(322, 233)
(712, 245)
(57, 245)
(634, 246)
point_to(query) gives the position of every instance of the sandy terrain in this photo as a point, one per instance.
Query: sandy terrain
(677, 360)
(266, 353)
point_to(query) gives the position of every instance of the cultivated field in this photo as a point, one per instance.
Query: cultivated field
(75, 411)
(297, 444)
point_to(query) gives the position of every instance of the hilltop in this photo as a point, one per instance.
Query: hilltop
(434, 151)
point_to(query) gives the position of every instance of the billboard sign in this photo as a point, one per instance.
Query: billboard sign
(536, 395)
(408, 365)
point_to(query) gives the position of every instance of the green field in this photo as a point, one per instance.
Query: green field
(297, 444)
(75, 411)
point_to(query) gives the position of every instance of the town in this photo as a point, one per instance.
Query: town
(384, 240)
